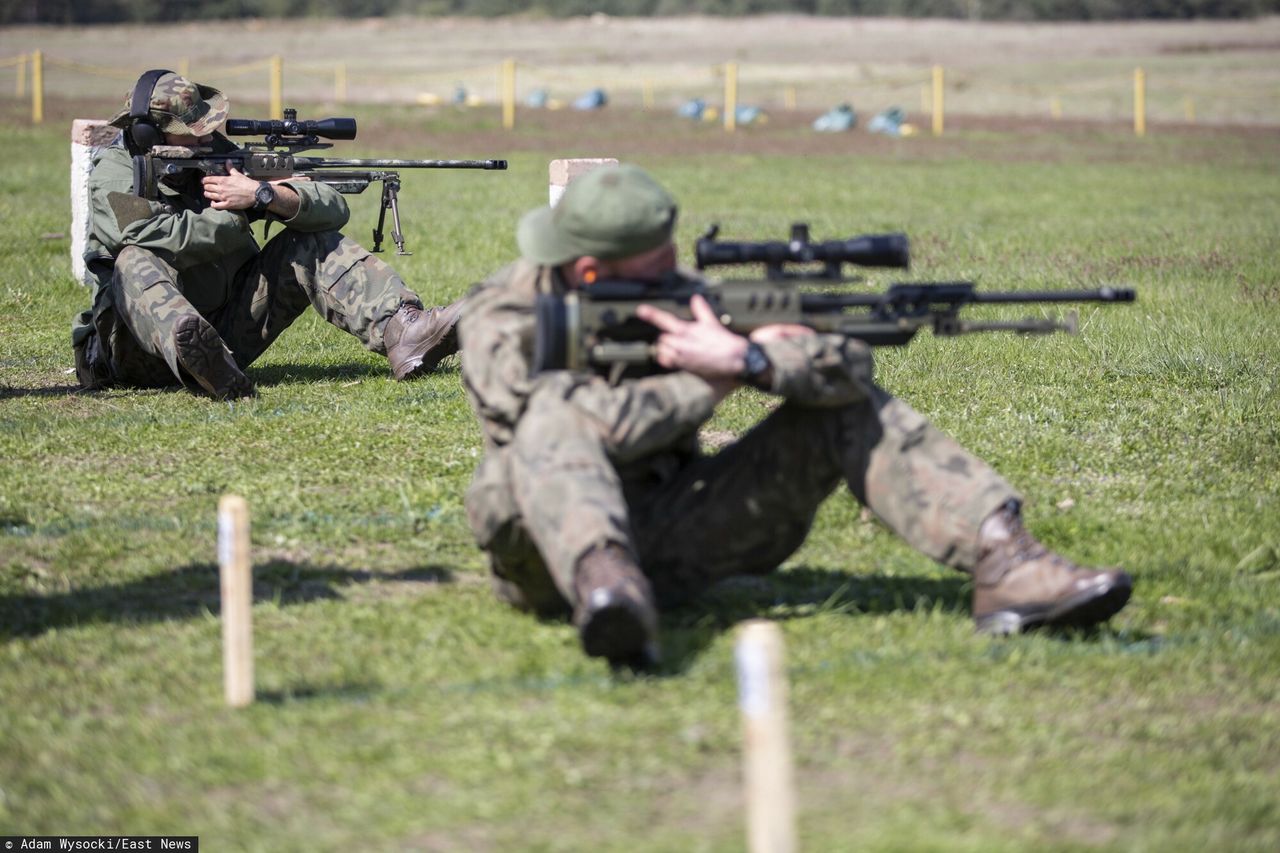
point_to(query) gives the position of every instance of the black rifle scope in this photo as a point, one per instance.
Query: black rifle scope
(289, 126)
(870, 250)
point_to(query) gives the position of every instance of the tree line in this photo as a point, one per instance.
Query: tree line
(154, 11)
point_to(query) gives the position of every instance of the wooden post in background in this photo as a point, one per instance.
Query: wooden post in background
(508, 94)
(340, 83)
(730, 96)
(1139, 102)
(37, 87)
(937, 100)
(236, 581)
(277, 87)
(762, 698)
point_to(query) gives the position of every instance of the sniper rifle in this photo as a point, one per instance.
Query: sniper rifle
(275, 156)
(596, 327)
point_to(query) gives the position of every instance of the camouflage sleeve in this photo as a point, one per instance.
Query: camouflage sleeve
(821, 370)
(183, 239)
(321, 207)
(494, 330)
(635, 417)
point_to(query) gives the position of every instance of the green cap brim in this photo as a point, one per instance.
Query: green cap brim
(541, 242)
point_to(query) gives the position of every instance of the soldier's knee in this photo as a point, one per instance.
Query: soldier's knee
(132, 254)
(136, 269)
(553, 422)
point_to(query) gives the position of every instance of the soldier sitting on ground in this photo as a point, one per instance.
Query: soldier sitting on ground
(183, 293)
(593, 499)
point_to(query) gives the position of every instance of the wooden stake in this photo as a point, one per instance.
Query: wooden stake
(730, 96)
(1139, 102)
(937, 100)
(237, 600)
(762, 697)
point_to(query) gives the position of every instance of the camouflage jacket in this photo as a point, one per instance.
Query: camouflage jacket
(206, 246)
(646, 421)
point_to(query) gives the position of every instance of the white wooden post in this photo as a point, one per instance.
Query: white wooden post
(562, 173)
(87, 135)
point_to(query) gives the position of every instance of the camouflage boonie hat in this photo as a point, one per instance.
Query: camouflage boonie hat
(610, 212)
(180, 106)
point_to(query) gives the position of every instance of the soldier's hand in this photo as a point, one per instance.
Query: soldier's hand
(702, 346)
(234, 191)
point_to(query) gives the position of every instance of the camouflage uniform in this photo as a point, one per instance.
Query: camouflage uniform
(155, 263)
(572, 463)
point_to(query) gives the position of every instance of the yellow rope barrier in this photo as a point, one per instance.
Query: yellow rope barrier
(870, 82)
(98, 70)
(233, 70)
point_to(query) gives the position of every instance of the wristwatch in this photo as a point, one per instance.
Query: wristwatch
(263, 196)
(755, 366)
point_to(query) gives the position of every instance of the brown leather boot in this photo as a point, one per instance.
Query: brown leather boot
(1018, 584)
(418, 338)
(206, 358)
(615, 615)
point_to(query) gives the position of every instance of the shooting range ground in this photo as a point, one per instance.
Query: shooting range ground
(397, 705)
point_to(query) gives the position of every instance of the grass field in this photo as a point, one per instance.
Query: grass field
(400, 707)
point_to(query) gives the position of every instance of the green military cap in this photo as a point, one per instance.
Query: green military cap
(179, 106)
(610, 212)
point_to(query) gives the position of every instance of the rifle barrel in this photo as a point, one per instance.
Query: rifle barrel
(1102, 294)
(954, 293)
(335, 163)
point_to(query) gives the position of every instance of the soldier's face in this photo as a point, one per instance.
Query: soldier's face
(186, 140)
(649, 266)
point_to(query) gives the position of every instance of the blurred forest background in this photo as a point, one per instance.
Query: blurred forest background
(151, 11)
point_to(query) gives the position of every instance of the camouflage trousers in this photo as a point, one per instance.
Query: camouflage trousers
(553, 494)
(351, 288)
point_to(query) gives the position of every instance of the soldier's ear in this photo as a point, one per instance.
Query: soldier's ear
(586, 271)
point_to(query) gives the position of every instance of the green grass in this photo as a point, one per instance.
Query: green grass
(400, 707)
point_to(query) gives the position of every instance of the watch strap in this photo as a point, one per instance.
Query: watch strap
(756, 366)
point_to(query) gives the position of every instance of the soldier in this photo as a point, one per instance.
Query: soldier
(183, 293)
(593, 499)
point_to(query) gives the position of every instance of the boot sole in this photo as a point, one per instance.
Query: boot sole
(1086, 608)
(196, 342)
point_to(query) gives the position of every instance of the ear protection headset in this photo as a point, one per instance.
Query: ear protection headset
(142, 133)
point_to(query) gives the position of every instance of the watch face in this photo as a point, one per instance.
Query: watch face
(755, 361)
(265, 195)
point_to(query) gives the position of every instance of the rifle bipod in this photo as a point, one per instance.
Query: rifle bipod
(390, 199)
